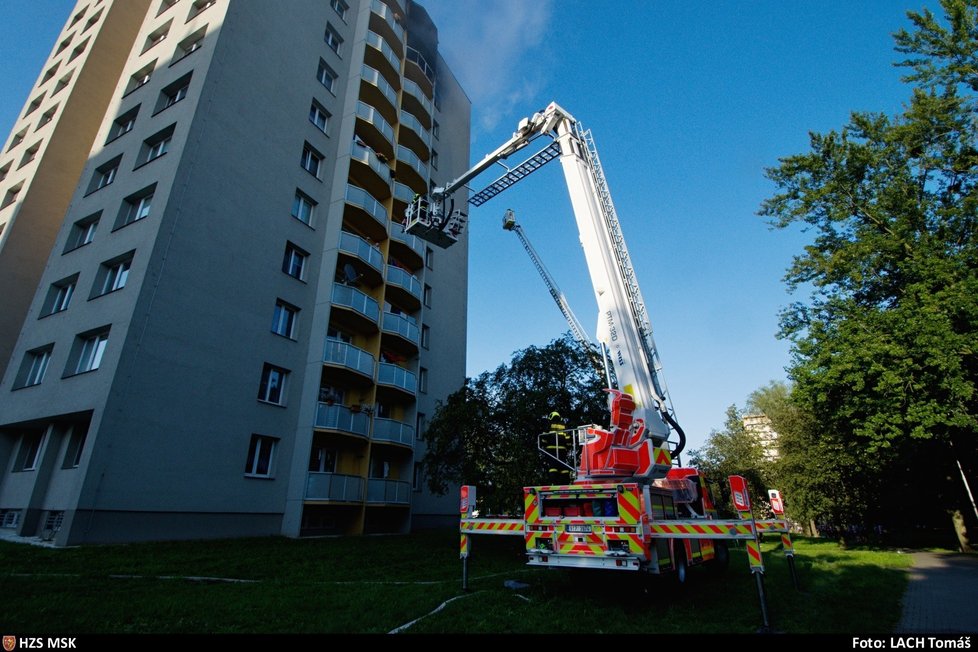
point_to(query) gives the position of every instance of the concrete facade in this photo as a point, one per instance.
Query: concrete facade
(250, 342)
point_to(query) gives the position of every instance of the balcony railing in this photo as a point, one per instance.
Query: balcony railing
(359, 197)
(401, 325)
(365, 156)
(385, 12)
(415, 243)
(334, 486)
(388, 491)
(393, 431)
(349, 356)
(342, 419)
(412, 89)
(357, 246)
(412, 123)
(407, 281)
(373, 76)
(350, 297)
(373, 116)
(403, 193)
(409, 157)
(394, 376)
(415, 56)
(377, 41)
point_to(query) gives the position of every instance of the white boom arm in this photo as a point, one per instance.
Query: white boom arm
(623, 325)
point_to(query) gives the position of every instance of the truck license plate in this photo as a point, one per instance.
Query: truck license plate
(579, 529)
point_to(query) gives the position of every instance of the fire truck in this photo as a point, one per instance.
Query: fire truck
(629, 506)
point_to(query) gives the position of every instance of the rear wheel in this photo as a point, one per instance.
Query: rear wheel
(721, 558)
(681, 566)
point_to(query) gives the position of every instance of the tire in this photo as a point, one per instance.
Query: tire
(680, 566)
(721, 559)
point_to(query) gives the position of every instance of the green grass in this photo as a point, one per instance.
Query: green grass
(374, 584)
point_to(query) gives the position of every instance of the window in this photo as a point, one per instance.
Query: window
(82, 232)
(261, 455)
(435, 129)
(104, 174)
(418, 476)
(303, 207)
(34, 105)
(76, 445)
(284, 319)
(136, 206)
(318, 116)
(59, 295)
(29, 154)
(326, 76)
(157, 36)
(423, 380)
(294, 263)
(429, 257)
(46, 117)
(322, 460)
(30, 451)
(141, 77)
(164, 5)
(339, 7)
(173, 93)
(77, 52)
(191, 44)
(123, 124)
(18, 138)
(155, 146)
(11, 195)
(311, 160)
(427, 296)
(199, 6)
(425, 335)
(420, 423)
(34, 366)
(272, 386)
(112, 275)
(434, 160)
(89, 348)
(332, 39)
(62, 83)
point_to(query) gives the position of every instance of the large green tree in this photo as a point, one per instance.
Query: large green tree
(485, 434)
(886, 344)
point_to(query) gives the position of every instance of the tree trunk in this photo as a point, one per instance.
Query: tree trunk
(961, 530)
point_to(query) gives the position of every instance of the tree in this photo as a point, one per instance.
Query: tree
(486, 433)
(885, 348)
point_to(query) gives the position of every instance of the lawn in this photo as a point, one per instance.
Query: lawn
(377, 584)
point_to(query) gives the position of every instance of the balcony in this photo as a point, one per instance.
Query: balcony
(356, 310)
(341, 419)
(374, 130)
(391, 492)
(396, 5)
(351, 364)
(365, 213)
(400, 380)
(414, 100)
(414, 134)
(412, 169)
(371, 260)
(390, 431)
(334, 487)
(417, 69)
(367, 171)
(382, 20)
(381, 55)
(406, 247)
(377, 91)
(404, 333)
(403, 288)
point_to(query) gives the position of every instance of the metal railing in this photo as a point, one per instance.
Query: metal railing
(401, 325)
(359, 197)
(349, 356)
(334, 486)
(357, 246)
(377, 41)
(411, 88)
(388, 491)
(387, 14)
(406, 280)
(415, 57)
(415, 243)
(342, 419)
(409, 157)
(403, 192)
(394, 376)
(363, 154)
(393, 431)
(350, 297)
(412, 123)
(372, 115)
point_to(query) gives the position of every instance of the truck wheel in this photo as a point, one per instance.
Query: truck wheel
(721, 558)
(681, 567)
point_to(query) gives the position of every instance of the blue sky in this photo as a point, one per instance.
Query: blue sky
(688, 103)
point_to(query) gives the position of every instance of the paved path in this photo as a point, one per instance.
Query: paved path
(942, 596)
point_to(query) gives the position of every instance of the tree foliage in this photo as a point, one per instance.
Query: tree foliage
(885, 347)
(486, 433)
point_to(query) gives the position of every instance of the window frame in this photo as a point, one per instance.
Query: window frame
(254, 461)
(268, 391)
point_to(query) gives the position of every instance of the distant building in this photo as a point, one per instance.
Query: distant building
(232, 335)
(759, 425)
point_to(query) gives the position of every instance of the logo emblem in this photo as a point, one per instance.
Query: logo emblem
(9, 643)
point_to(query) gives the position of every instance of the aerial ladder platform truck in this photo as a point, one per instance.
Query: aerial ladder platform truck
(629, 506)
